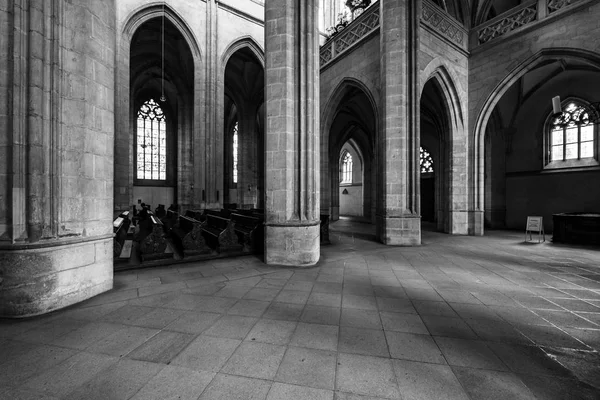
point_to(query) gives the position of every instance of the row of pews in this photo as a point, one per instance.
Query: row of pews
(196, 234)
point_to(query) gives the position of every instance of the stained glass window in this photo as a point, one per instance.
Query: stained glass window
(574, 139)
(235, 153)
(347, 168)
(426, 162)
(151, 142)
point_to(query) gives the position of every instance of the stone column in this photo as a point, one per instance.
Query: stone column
(398, 220)
(57, 136)
(247, 155)
(292, 133)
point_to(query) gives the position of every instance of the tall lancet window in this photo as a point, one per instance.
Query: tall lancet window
(151, 142)
(235, 153)
(347, 168)
(426, 162)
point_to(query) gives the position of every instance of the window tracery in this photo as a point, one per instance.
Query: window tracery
(151, 154)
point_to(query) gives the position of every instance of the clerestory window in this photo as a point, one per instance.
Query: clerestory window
(235, 153)
(151, 143)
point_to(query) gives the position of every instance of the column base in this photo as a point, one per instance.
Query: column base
(40, 278)
(399, 231)
(476, 219)
(292, 244)
(459, 222)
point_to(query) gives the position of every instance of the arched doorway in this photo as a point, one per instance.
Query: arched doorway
(434, 157)
(244, 131)
(352, 131)
(151, 143)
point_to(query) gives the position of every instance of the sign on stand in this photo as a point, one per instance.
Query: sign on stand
(535, 224)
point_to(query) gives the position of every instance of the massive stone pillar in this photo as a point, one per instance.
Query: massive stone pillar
(292, 132)
(398, 220)
(56, 153)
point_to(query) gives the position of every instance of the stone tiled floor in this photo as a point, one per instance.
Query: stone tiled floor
(457, 318)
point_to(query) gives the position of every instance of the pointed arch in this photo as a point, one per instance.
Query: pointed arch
(240, 43)
(477, 150)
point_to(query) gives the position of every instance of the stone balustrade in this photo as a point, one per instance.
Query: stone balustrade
(439, 21)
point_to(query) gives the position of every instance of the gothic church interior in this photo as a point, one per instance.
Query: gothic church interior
(330, 180)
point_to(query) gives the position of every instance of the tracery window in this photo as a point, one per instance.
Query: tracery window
(426, 161)
(151, 142)
(235, 153)
(571, 139)
(347, 168)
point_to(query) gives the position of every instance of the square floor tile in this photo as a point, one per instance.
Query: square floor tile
(395, 305)
(308, 367)
(360, 318)
(206, 353)
(283, 391)
(292, 296)
(175, 383)
(528, 360)
(409, 323)
(492, 385)
(304, 286)
(359, 302)
(321, 315)
(315, 336)
(193, 322)
(263, 294)
(494, 331)
(327, 287)
(87, 335)
(228, 387)
(422, 381)
(231, 326)
(449, 327)
(235, 292)
(272, 331)
(158, 318)
(162, 347)
(325, 299)
(435, 308)
(255, 360)
(469, 353)
(123, 342)
(362, 341)
(21, 365)
(249, 308)
(410, 346)
(284, 311)
(371, 376)
(121, 381)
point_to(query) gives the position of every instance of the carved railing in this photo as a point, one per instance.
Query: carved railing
(555, 5)
(441, 22)
(353, 33)
(508, 21)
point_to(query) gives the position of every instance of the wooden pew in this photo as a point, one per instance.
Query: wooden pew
(153, 242)
(120, 228)
(250, 232)
(220, 233)
(187, 235)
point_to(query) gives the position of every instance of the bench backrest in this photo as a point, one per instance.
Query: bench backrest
(245, 220)
(215, 221)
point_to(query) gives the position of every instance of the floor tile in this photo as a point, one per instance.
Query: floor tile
(158, 318)
(308, 367)
(371, 376)
(235, 292)
(284, 311)
(359, 302)
(193, 322)
(448, 327)
(248, 308)
(206, 353)
(360, 318)
(434, 308)
(492, 385)
(87, 335)
(292, 296)
(67, 376)
(304, 286)
(325, 299)
(227, 387)
(321, 315)
(283, 391)
(399, 322)
(469, 353)
(231, 326)
(409, 346)
(174, 382)
(162, 347)
(16, 368)
(123, 342)
(259, 293)
(121, 381)
(527, 360)
(422, 381)
(362, 341)
(315, 336)
(272, 331)
(255, 360)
